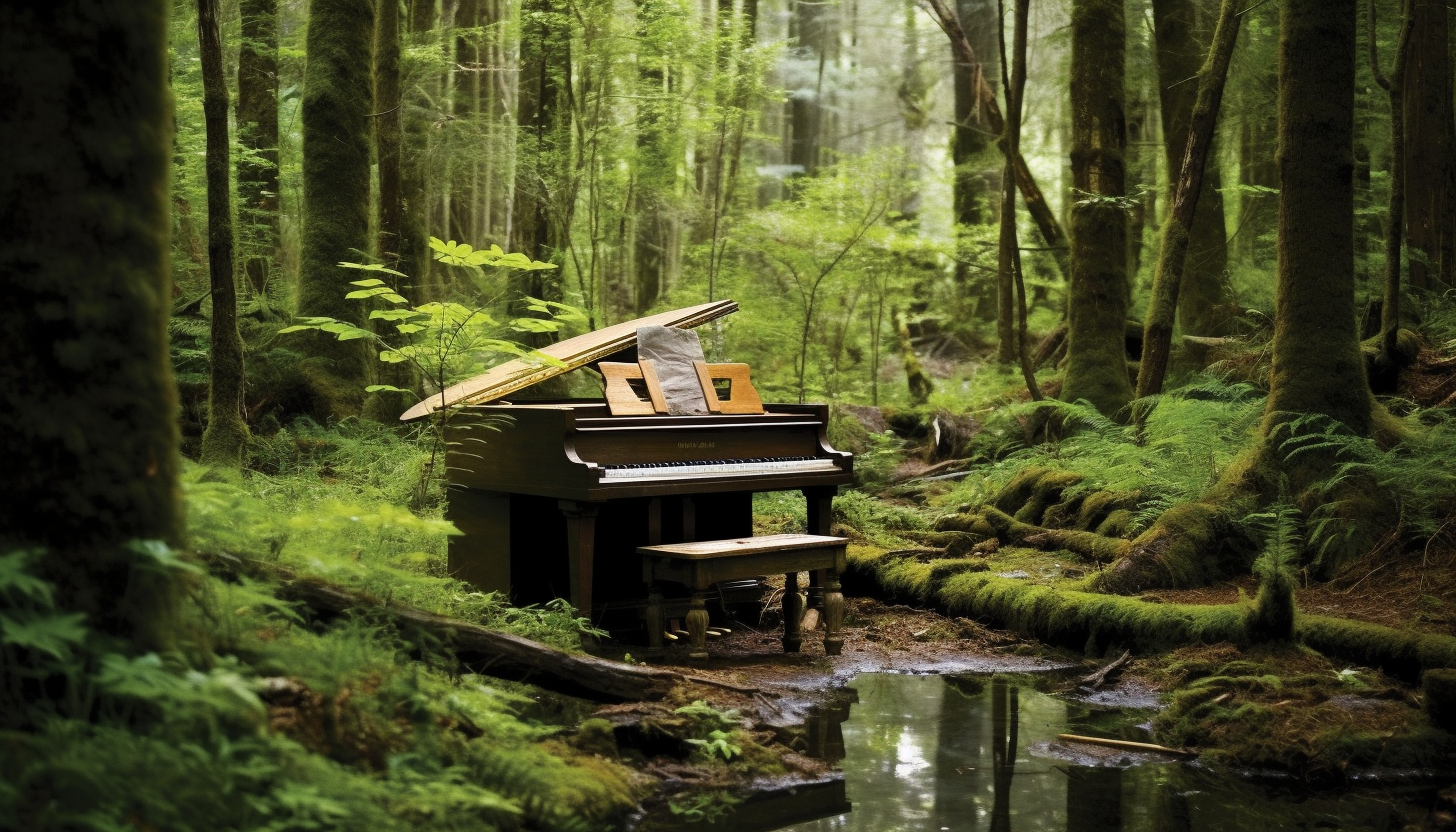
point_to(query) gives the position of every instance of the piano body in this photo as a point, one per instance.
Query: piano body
(554, 497)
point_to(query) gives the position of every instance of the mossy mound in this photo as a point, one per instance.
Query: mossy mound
(1291, 709)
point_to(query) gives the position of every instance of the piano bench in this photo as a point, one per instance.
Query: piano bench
(700, 565)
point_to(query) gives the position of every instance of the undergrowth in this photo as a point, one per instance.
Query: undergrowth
(266, 719)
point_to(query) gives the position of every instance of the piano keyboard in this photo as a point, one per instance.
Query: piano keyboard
(718, 467)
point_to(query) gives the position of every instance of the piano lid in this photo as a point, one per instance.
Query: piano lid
(518, 374)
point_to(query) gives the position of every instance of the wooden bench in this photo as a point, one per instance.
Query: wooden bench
(700, 565)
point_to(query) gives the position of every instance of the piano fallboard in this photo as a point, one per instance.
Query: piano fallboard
(579, 451)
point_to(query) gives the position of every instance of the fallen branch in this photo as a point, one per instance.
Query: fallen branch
(501, 655)
(1096, 680)
(1127, 744)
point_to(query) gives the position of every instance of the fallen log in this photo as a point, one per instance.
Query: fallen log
(501, 655)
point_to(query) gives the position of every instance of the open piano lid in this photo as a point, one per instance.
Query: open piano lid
(575, 352)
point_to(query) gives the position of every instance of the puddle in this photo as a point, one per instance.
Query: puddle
(977, 752)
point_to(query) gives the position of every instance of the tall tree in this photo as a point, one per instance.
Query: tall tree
(1181, 43)
(389, 132)
(89, 406)
(260, 238)
(970, 189)
(1036, 204)
(417, 111)
(1097, 308)
(1317, 364)
(1430, 142)
(1394, 86)
(814, 31)
(226, 432)
(336, 105)
(1189, 188)
(1010, 254)
(654, 169)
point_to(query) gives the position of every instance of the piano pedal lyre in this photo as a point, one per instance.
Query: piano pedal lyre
(742, 397)
(622, 400)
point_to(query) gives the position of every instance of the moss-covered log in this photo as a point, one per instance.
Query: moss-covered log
(1094, 622)
(87, 401)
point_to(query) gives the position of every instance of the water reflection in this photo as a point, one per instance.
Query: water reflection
(979, 753)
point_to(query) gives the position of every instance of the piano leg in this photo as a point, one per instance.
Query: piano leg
(793, 612)
(698, 623)
(833, 614)
(820, 505)
(581, 527)
(655, 624)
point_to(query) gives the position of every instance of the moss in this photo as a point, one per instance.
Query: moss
(1099, 506)
(1291, 709)
(1439, 690)
(1401, 653)
(337, 97)
(87, 400)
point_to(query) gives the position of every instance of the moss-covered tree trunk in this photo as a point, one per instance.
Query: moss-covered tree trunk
(336, 104)
(972, 185)
(259, 220)
(1181, 226)
(1317, 365)
(416, 110)
(87, 403)
(385, 406)
(1387, 364)
(1181, 44)
(1430, 151)
(227, 432)
(1097, 311)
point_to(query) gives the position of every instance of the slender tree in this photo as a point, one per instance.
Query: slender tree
(1097, 309)
(89, 405)
(226, 432)
(1182, 42)
(260, 221)
(336, 105)
(1010, 254)
(1180, 226)
(1430, 149)
(970, 189)
(389, 133)
(1036, 204)
(1394, 86)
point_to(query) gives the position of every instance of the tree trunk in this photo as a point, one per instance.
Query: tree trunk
(971, 188)
(260, 240)
(1180, 226)
(227, 432)
(1387, 364)
(1010, 255)
(1430, 207)
(914, 100)
(89, 405)
(1036, 204)
(336, 103)
(655, 166)
(1097, 308)
(416, 110)
(1317, 365)
(814, 31)
(1181, 44)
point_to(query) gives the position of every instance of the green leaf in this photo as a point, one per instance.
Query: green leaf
(394, 314)
(535, 325)
(393, 357)
(371, 281)
(55, 634)
(373, 267)
(394, 298)
(353, 335)
(384, 388)
(408, 329)
(370, 293)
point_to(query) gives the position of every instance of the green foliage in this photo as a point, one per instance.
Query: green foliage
(1187, 439)
(713, 730)
(877, 520)
(1272, 616)
(704, 806)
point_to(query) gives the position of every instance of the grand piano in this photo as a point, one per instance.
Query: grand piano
(553, 497)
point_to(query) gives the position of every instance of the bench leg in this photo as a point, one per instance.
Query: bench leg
(793, 612)
(698, 625)
(833, 613)
(655, 624)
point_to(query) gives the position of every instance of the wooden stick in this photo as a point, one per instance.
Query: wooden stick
(1127, 744)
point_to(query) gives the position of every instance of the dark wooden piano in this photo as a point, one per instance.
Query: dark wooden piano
(554, 497)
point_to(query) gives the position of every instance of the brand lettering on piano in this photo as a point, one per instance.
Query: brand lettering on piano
(697, 444)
